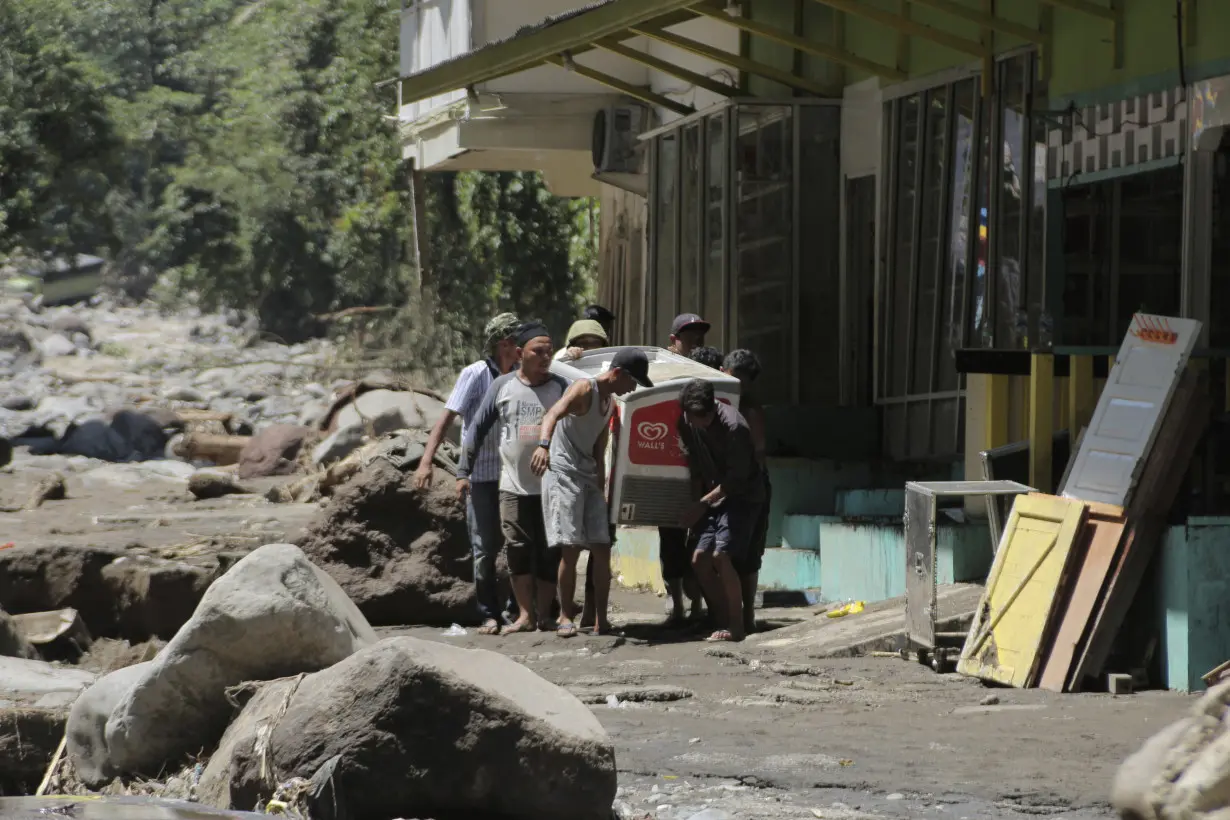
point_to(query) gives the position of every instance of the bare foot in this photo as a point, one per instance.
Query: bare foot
(519, 625)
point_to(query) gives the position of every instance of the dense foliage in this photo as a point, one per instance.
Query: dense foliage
(243, 151)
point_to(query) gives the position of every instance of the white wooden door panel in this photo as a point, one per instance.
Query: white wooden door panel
(1131, 408)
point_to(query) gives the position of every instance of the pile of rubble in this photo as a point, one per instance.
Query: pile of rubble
(276, 694)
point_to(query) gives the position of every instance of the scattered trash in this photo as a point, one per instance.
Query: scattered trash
(845, 761)
(694, 740)
(895, 796)
(850, 608)
(613, 701)
(9, 545)
(989, 700)
(455, 631)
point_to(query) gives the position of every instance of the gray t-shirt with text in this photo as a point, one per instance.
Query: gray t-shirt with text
(514, 409)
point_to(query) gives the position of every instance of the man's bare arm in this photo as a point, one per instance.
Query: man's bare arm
(574, 402)
(422, 476)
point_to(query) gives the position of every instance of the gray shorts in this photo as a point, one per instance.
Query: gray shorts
(574, 510)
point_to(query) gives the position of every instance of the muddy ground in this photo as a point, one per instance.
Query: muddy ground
(853, 738)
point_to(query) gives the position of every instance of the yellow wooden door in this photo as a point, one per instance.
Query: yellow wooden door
(1006, 637)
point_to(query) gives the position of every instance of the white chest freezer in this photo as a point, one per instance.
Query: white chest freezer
(648, 479)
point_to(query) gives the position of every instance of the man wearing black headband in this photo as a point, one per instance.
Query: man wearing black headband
(518, 401)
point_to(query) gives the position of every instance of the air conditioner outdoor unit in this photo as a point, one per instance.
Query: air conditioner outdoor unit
(616, 129)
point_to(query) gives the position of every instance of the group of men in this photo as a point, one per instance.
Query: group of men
(532, 476)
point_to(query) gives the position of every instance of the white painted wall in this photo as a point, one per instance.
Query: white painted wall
(433, 31)
(710, 32)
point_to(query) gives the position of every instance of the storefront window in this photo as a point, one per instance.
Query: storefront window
(665, 219)
(724, 207)
(690, 222)
(960, 234)
(717, 161)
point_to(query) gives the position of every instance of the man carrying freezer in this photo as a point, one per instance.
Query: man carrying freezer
(570, 458)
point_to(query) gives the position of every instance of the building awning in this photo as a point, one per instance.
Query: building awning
(607, 25)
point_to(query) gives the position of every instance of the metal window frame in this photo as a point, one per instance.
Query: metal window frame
(986, 189)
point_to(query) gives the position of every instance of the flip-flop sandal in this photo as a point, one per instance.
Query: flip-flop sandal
(568, 630)
(514, 628)
(490, 627)
(722, 635)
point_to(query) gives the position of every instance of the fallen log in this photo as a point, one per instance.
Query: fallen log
(220, 449)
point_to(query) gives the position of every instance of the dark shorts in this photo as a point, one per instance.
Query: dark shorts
(674, 554)
(727, 531)
(754, 557)
(525, 536)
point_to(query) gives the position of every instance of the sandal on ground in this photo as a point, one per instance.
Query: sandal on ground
(489, 627)
(568, 630)
(722, 635)
(515, 627)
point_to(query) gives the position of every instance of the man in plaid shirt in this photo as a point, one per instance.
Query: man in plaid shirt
(483, 500)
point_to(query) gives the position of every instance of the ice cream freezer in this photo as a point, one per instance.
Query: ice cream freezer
(648, 469)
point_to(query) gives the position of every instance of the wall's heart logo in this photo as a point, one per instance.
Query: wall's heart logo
(652, 431)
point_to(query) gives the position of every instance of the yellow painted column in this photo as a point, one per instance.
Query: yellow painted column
(998, 397)
(1080, 393)
(1041, 420)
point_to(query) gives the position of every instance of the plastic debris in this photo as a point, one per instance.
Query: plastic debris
(850, 608)
(455, 631)
(613, 702)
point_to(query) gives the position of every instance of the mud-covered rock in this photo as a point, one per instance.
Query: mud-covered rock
(12, 644)
(401, 555)
(273, 451)
(274, 613)
(415, 728)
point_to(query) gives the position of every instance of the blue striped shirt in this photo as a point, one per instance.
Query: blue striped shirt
(465, 400)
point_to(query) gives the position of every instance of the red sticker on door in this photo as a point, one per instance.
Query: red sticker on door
(654, 439)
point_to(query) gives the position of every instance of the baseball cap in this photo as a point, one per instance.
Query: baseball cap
(586, 327)
(686, 320)
(634, 362)
(500, 328)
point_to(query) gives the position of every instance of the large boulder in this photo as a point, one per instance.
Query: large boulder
(118, 595)
(376, 412)
(273, 614)
(414, 728)
(273, 451)
(402, 555)
(86, 732)
(1184, 770)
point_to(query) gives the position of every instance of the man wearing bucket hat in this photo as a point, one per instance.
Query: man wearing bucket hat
(585, 334)
(483, 499)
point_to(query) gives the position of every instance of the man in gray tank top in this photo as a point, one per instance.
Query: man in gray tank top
(570, 458)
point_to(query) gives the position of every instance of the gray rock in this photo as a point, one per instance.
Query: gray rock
(207, 484)
(12, 644)
(37, 683)
(68, 324)
(19, 403)
(167, 473)
(183, 393)
(421, 729)
(274, 613)
(402, 555)
(87, 724)
(385, 411)
(273, 451)
(57, 345)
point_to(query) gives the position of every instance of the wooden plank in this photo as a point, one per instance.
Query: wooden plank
(1103, 534)
(1006, 639)
(1162, 477)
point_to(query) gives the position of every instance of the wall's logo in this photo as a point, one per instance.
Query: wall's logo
(652, 431)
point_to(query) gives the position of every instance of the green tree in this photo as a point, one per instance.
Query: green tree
(57, 143)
